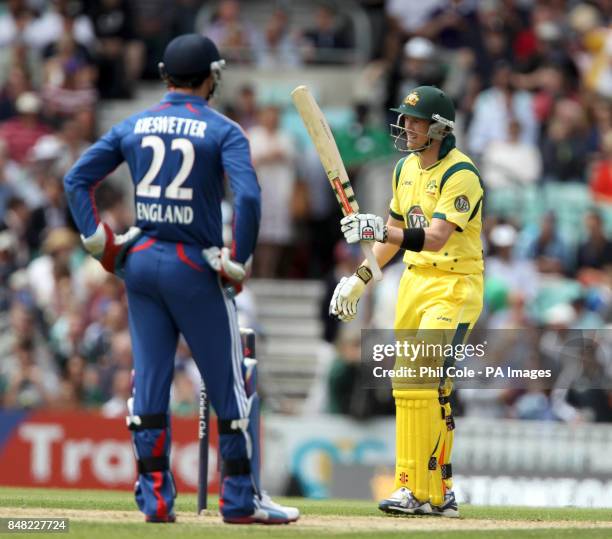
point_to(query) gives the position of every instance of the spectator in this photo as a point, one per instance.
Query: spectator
(22, 132)
(12, 21)
(273, 154)
(9, 173)
(363, 140)
(46, 271)
(72, 135)
(406, 22)
(322, 222)
(349, 391)
(153, 25)
(600, 179)
(61, 18)
(17, 219)
(451, 24)
(420, 65)
(564, 144)
(66, 334)
(116, 406)
(600, 120)
(28, 386)
(247, 110)
(8, 267)
(19, 55)
(69, 83)
(24, 346)
(119, 53)
(42, 163)
(98, 335)
(16, 83)
(519, 275)
(74, 375)
(595, 253)
(512, 162)
(545, 246)
(496, 107)
(343, 377)
(597, 73)
(280, 47)
(235, 38)
(54, 213)
(327, 42)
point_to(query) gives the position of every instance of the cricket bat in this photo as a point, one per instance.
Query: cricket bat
(326, 147)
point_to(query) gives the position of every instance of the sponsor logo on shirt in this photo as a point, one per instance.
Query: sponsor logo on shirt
(416, 217)
(462, 204)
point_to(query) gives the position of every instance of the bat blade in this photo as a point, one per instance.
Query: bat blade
(320, 133)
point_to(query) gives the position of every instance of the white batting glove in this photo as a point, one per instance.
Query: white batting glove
(110, 248)
(232, 273)
(364, 227)
(346, 296)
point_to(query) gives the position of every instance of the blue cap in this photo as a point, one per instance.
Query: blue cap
(189, 56)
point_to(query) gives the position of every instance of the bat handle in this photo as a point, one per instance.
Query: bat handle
(366, 247)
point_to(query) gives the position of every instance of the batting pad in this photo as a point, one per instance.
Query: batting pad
(420, 435)
(448, 436)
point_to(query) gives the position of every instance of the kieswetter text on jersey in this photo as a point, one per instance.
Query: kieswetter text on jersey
(171, 125)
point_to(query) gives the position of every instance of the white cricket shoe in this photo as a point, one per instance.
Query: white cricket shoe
(403, 502)
(449, 508)
(267, 511)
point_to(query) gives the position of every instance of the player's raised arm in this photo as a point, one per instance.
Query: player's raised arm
(79, 184)
(236, 159)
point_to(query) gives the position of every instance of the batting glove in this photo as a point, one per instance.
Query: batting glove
(110, 248)
(232, 273)
(346, 296)
(364, 227)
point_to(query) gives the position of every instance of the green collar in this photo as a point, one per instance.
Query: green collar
(447, 145)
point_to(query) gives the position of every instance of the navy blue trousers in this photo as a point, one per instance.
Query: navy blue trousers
(171, 290)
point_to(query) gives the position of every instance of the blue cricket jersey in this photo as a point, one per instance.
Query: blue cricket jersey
(178, 153)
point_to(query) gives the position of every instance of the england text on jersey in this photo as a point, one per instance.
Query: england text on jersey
(172, 125)
(157, 213)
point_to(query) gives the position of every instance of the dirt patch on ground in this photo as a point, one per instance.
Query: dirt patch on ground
(374, 523)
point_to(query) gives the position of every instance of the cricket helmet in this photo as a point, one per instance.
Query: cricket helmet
(189, 59)
(429, 103)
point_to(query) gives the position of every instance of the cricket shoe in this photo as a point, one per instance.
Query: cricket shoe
(449, 508)
(267, 511)
(403, 502)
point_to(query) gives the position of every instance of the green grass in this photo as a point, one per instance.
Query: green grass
(123, 501)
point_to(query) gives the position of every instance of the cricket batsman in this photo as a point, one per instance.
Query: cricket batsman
(435, 217)
(178, 275)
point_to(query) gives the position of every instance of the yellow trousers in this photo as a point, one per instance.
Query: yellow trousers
(430, 299)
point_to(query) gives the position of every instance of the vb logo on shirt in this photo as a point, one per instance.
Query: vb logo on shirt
(416, 218)
(462, 204)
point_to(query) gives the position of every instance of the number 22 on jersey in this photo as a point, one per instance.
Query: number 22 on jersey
(173, 191)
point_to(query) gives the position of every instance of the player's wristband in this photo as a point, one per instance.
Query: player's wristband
(364, 273)
(414, 239)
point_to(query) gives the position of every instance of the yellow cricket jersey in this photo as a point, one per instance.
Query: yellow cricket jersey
(449, 189)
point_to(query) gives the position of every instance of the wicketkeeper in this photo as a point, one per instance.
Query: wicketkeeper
(435, 217)
(179, 277)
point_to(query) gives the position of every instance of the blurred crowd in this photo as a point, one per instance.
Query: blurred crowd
(532, 82)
